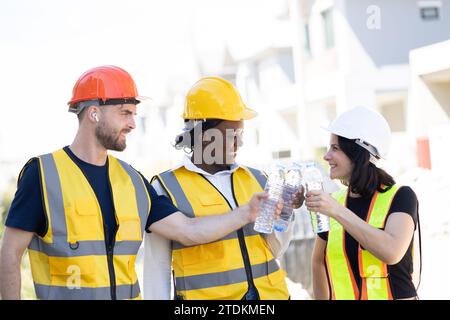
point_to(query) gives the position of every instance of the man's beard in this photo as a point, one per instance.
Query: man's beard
(109, 138)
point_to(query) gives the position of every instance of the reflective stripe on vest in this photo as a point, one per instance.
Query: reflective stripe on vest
(82, 248)
(225, 278)
(259, 176)
(373, 272)
(173, 188)
(73, 249)
(67, 293)
(215, 270)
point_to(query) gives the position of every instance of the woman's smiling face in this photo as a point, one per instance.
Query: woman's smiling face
(341, 166)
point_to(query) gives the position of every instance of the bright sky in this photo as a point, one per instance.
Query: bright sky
(45, 45)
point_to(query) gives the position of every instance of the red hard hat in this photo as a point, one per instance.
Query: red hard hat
(104, 83)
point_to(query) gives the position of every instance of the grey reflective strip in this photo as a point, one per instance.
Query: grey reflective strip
(104, 293)
(249, 230)
(127, 247)
(173, 185)
(260, 177)
(54, 196)
(82, 248)
(224, 278)
(141, 193)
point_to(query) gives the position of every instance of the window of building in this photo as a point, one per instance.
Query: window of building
(282, 154)
(429, 10)
(431, 13)
(394, 113)
(327, 18)
(286, 62)
(307, 41)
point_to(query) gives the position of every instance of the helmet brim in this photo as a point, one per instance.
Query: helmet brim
(248, 114)
(144, 99)
(370, 148)
(337, 133)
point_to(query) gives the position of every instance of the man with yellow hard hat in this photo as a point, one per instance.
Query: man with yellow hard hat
(241, 265)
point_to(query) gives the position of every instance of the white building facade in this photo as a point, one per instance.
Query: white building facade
(332, 56)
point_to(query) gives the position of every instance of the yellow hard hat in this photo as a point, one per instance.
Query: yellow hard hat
(215, 98)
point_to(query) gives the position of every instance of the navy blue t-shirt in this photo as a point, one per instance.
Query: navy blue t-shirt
(27, 211)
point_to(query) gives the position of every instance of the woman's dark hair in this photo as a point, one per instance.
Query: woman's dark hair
(366, 178)
(186, 139)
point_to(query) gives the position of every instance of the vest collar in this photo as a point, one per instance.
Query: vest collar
(189, 165)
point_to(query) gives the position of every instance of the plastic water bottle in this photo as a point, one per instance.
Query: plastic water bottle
(313, 179)
(292, 184)
(274, 188)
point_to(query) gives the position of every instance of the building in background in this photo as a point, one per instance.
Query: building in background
(429, 105)
(329, 56)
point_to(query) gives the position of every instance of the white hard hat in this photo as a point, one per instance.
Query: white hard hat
(368, 127)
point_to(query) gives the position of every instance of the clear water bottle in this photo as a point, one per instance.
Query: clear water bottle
(312, 177)
(292, 183)
(274, 188)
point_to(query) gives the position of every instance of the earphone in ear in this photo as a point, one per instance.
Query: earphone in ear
(94, 115)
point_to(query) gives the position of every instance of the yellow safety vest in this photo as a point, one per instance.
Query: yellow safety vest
(217, 270)
(72, 260)
(374, 273)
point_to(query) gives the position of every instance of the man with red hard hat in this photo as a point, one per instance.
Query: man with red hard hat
(82, 213)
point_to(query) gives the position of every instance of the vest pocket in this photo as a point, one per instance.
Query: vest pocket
(130, 229)
(211, 204)
(276, 277)
(132, 269)
(85, 221)
(72, 273)
(210, 201)
(210, 254)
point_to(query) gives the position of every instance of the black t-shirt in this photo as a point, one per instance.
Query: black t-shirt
(405, 200)
(27, 211)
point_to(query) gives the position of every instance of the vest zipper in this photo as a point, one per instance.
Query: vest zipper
(241, 238)
(244, 250)
(109, 247)
(110, 259)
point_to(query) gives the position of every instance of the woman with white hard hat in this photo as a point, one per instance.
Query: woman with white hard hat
(368, 252)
